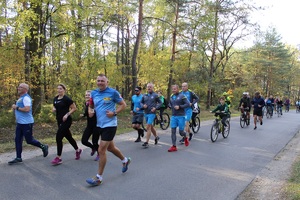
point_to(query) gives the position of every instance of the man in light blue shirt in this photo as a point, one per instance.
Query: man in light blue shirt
(103, 101)
(137, 113)
(24, 119)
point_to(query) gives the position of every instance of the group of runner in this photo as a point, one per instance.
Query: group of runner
(101, 109)
(146, 105)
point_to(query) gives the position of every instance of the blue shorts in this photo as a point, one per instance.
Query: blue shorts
(178, 121)
(150, 118)
(188, 114)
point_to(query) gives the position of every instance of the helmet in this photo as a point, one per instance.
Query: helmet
(225, 94)
(245, 93)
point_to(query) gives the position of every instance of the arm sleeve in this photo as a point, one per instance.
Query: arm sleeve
(186, 103)
(195, 98)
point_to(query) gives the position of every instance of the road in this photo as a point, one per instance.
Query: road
(204, 170)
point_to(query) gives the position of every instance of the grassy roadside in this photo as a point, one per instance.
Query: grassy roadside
(292, 189)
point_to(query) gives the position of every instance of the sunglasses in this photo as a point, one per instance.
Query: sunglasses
(136, 90)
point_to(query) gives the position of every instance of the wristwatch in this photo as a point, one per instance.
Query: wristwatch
(115, 114)
(17, 108)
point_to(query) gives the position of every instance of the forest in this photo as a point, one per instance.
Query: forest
(47, 42)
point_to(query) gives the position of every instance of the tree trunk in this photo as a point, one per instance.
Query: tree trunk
(212, 60)
(136, 46)
(174, 35)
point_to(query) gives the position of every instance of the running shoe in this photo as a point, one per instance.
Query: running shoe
(186, 141)
(95, 181)
(181, 141)
(77, 154)
(125, 165)
(146, 145)
(138, 140)
(15, 161)
(172, 149)
(96, 158)
(261, 123)
(56, 161)
(191, 136)
(93, 152)
(156, 140)
(45, 150)
(255, 127)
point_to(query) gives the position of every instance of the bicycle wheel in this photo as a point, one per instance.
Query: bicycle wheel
(165, 122)
(197, 125)
(226, 130)
(214, 132)
(242, 121)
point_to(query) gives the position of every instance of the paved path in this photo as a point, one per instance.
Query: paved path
(204, 170)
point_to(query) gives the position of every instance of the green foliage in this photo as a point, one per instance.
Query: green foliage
(46, 115)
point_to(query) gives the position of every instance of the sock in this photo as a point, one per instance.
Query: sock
(99, 177)
(124, 160)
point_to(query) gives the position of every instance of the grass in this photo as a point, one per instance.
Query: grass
(292, 189)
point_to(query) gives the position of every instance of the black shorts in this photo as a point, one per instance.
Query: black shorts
(257, 112)
(107, 133)
(137, 118)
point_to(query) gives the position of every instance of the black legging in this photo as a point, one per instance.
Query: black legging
(161, 111)
(90, 130)
(64, 131)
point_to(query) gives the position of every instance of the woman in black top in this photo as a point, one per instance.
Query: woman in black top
(90, 128)
(62, 105)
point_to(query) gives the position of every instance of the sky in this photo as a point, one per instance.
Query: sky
(283, 15)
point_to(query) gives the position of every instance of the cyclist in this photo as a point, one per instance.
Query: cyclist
(137, 113)
(279, 105)
(258, 103)
(164, 105)
(193, 98)
(224, 109)
(287, 104)
(270, 104)
(196, 111)
(297, 104)
(245, 104)
(227, 99)
(178, 103)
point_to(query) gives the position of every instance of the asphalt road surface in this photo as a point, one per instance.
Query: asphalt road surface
(203, 170)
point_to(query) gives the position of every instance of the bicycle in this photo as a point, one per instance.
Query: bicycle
(269, 112)
(164, 124)
(195, 124)
(279, 110)
(244, 120)
(297, 109)
(287, 108)
(218, 127)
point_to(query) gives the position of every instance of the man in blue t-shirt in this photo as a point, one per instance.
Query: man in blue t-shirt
(103, 102)
(137, 113)
(24, 119)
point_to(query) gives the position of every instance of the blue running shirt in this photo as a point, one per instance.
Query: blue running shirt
(105, 100)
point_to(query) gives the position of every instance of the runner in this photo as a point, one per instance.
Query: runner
(150, 103)
(103, 101)
(178, 103)
(137, 113)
